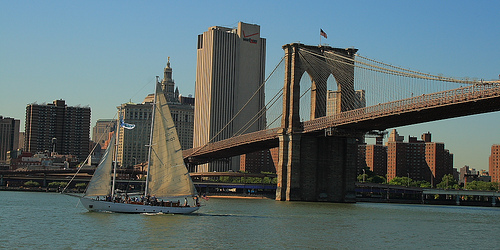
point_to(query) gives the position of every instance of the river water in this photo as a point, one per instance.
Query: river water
(49, 220)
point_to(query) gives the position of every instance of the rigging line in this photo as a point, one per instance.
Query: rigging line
(260, 114)
(250, 99)
(389, 65)
(234, 117)
(394, 72)
(263, 109)
(401, 68)
(320, 63)
(416, 73)
(313, 65)
(145, 85)
(386, 70)
(275, 111)
(313, 69)
(86, 160)
(275, 119)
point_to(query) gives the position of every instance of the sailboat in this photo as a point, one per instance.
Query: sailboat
(168, 184)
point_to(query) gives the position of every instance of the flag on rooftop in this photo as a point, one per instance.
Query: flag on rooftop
(322, 33)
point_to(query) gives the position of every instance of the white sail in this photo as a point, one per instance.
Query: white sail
(168, 175)
(100, 184)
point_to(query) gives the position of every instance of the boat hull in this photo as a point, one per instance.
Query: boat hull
(107, 206)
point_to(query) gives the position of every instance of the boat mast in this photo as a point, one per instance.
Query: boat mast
(115, 157)
(151, 137)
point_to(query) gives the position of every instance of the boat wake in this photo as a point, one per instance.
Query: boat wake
(228, 215)
(159, 213)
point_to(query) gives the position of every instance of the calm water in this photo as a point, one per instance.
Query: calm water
(48, 220)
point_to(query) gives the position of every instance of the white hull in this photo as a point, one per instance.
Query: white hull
(107, 206)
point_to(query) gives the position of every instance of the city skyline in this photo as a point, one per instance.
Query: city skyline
(105, 54)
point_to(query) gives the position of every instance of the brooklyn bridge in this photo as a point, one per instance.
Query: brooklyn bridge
(318, 140)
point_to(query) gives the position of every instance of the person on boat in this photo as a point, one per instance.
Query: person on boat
(196, 201)
(185, 202)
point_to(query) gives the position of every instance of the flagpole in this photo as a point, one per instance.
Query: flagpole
(117, 131)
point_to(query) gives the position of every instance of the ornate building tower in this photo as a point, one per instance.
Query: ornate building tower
(172, 95)
(131, 149)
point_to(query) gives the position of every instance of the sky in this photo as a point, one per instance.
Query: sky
(104, 53)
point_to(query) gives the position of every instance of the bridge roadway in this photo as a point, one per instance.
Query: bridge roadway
(474, 99)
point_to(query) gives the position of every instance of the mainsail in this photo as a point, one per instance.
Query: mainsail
(168, 175)
(100, 184)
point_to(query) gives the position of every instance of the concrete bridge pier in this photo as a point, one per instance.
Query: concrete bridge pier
(316, 168)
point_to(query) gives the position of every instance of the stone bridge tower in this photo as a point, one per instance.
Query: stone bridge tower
(315, 167)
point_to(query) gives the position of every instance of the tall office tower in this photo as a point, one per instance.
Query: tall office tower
(101, 131)
(230, 69)
(55, 127)
(332, 100)
(417, 159)
(9, 136)
(494, 162)
(132, 149)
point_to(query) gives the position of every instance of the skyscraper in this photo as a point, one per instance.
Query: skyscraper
(56, 127)
(9, 136)
(229, 71)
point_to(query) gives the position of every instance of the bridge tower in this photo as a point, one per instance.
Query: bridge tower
(315, 167)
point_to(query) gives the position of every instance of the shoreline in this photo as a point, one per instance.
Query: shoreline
(237, 197)
(261, 197)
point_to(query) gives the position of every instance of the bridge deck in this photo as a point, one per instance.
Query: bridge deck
(475, 99)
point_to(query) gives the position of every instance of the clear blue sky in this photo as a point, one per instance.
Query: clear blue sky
(104, 53)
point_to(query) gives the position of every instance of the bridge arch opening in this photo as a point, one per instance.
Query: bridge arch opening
(331, 91)
(306, 84)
